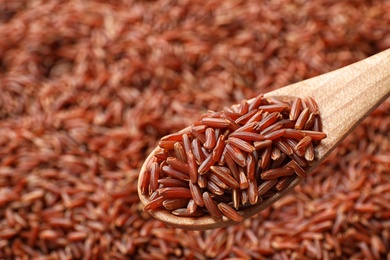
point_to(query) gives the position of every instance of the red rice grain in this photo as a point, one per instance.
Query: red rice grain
(180, 152)
(185, 213)
(192, 206)
(210, 138)
(172, 204)
(175, 173)
(302, 118)
(267, 121)
(217, 181)
(224, 175)
(216, 122)
(211, 206)
(87, 88)
(154, 176)
(262, 144)
(243, 180)
(266, 157)
(295, 109)
(236, 154)
(202, 181)
(214, 188)
(245, 117)
(252, 192)
(175, 192)
(170, 182)
(229, 212)
(241, 144)
(8, 233)
(276, 173)
(196, 194)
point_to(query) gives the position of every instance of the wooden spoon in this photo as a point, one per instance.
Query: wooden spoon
(344, 97)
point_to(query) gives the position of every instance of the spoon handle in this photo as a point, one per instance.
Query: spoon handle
(345, 96)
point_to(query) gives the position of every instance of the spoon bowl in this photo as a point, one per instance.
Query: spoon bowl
(344, 98)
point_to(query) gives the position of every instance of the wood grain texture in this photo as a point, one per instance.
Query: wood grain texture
(344, 97)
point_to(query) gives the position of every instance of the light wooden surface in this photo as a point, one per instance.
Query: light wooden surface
(344, 96)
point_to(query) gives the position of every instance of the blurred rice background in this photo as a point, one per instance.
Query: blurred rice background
(88, 87)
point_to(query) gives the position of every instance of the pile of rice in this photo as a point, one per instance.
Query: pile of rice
(88, 87)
